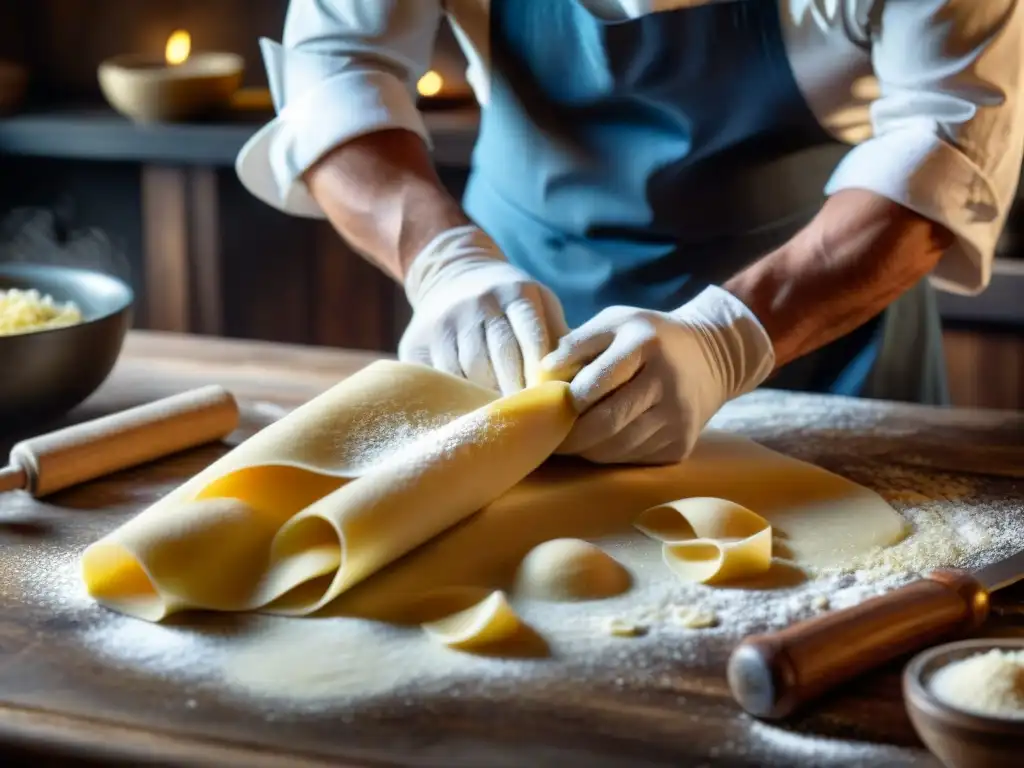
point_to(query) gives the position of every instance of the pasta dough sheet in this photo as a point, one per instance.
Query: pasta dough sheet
(402, 482)
(818, 519)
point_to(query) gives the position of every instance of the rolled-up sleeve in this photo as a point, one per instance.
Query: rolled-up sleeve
(345, 68)
(948, 126)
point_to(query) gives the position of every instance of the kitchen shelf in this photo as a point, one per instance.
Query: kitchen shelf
(102, 134)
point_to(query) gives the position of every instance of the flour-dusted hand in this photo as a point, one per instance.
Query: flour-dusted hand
(648, 382)
(477, 316)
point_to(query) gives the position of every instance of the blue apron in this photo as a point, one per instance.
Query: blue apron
(636, 161)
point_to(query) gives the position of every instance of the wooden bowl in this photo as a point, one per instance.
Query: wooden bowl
(13, 84)
(960, 739)
(147, 89)
(46, 373)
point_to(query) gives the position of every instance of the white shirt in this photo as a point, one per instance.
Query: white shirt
(928, 91)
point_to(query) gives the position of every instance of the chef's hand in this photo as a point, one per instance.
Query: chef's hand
(648, 382)
(475, 315)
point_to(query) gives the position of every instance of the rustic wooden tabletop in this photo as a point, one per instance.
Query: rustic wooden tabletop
(64, 694)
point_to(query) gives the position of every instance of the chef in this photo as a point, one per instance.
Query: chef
(671, 201)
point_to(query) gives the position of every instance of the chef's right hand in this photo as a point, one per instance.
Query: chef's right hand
(475, 315)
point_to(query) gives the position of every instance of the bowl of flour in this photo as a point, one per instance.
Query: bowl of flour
(966, 702)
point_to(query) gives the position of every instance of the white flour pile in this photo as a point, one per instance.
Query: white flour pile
(990, 683)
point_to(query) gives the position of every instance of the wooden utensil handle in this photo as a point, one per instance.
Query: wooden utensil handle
(12, 479)
(92, 449)
(774, 674)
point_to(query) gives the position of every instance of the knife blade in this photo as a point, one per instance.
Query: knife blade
(773, 675)
(1002, 573)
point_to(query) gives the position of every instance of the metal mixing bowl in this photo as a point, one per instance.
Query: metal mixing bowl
(45, 374)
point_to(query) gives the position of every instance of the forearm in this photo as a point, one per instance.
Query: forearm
(859, 254)
(382, 194)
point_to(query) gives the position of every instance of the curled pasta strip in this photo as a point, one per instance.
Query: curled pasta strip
(709, 540)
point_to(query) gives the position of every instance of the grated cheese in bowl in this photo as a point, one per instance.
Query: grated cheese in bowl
(30, 311)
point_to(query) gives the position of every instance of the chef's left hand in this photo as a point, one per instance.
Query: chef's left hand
(648, 382)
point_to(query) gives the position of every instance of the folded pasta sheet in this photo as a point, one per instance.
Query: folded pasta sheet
(336, 490)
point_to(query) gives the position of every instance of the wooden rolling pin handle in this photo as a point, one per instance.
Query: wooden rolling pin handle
(773, 675)
(13, 478)
(92, 449)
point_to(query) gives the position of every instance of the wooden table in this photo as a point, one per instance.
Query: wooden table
(59, 699)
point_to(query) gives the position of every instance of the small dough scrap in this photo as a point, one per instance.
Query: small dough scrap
(693, 617)
(566, 570)
(489, 621)
(709, 540)
(623, 627)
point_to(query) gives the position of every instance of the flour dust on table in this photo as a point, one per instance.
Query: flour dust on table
(296, 671)
(408, 496)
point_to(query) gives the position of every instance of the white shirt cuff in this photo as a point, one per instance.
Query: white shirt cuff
(318, 110)
(915, 168)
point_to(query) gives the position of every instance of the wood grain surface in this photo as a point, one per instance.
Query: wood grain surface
(61, 700)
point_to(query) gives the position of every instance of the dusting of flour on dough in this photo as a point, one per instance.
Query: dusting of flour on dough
(384, 434)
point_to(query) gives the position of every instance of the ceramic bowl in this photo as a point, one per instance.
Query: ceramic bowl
(13, 84)
(47, 373)
(960, 739)
(148, 90)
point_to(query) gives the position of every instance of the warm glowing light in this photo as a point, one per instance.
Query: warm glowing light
(179, 45)
(430, 84)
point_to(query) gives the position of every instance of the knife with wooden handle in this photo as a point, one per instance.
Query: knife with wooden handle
(775, 674)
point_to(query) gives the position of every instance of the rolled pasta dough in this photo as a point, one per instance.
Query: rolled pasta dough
(402, 481)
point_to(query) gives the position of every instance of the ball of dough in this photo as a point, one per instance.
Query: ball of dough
(565, 570)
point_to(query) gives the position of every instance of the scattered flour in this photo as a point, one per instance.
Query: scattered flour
(782, 746)
(338, 662)
(384, 433)
(344, 667)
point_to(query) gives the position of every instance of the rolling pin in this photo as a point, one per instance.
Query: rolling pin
(57, 460)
